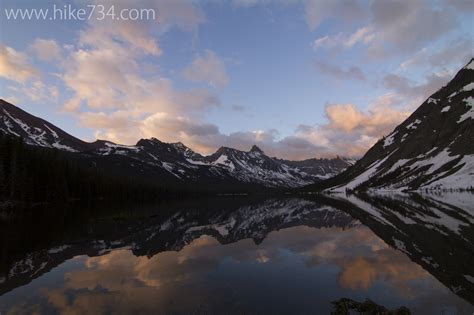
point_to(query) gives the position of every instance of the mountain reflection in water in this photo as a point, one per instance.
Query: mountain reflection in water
(243, 255)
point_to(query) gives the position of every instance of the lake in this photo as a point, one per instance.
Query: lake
(241, 255)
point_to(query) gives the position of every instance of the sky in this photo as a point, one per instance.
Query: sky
(300, 79)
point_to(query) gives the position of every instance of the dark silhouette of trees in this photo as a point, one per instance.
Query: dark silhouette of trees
(33, 174)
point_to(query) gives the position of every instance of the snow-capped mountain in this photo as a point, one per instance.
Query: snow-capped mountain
(431, 149)
(171, 163)
(36, 131)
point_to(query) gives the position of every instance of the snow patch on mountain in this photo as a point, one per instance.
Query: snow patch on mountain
(413, 124)
(365, 176)
(63, 147)
(197, 162)
(432, 100)
(435, 162)
(468, 87)
(463, 178)
(224, 160)
(170, 167)
(389, 140)
(445, 109)
(112, 148)
(55, 135)
(470, 113)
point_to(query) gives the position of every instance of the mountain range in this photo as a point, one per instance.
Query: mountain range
(433, 149)
(172, 164)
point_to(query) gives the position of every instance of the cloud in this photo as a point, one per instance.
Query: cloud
(120, 126)
(208, 68)
(15, 65)
(46, 49)
(110, 121)
(392, 26)
(457, 51)
(364, 34)
(375, 122)
(110, 34)
(408, 25)
(416, 91)
(35, 91)
(201, 136)
(350, 131)
(115, 92)
(345, 117)
(462, 5)
(120, 99)
(238, 108)
(362, 272)
(106, 78)
(168, 127)
(183, 14)
(108, 69)
(245, 3)
(344, 41)
(26, 81)
(339, 73)
(317, 11)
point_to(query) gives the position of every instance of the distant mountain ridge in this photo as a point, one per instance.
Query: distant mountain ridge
(173, 164)
(431, 149)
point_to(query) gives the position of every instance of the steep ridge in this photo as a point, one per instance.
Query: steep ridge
(431, 149)
(36, 131)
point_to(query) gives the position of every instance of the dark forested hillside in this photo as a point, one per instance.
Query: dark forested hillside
(32, 174)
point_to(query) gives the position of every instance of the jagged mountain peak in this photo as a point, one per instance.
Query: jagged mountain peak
(180, 145)
(224, 149)
(150, 141)
(256, 149)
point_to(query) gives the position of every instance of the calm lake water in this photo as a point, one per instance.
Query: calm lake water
(242, 255)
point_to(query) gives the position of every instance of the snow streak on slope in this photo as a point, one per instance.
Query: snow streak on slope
(41, 136)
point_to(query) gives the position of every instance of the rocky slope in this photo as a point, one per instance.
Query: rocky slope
(431, 149)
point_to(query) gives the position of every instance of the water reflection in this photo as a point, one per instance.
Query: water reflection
(436, 231)
(276, 256)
